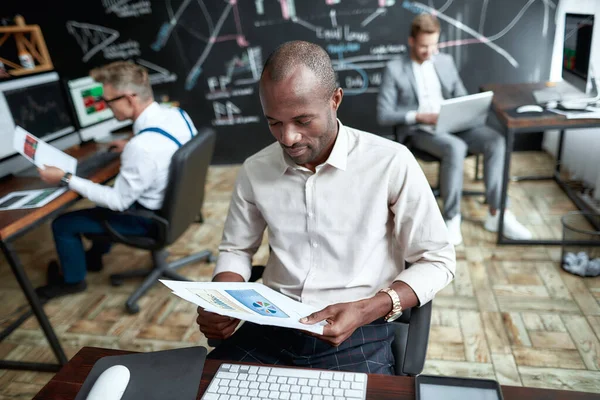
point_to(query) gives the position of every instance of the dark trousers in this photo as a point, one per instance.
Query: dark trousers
(69, 227)
(368, 349)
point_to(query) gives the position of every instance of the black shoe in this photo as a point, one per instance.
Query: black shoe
(93, 261)
(53, 275)
(57, 289)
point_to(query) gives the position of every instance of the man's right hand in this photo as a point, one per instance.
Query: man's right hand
(117, 146)
(427, 118)
(215, 326)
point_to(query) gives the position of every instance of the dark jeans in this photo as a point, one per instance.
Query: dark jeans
(368, 349)
(68, 229)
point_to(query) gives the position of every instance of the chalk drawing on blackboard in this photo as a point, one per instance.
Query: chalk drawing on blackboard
(157, 74)
(371, 17)
(215, 37)
(91, 38)
(230, 114)
(127, 8)
(478, 37)
(248, 67)
(124, 50)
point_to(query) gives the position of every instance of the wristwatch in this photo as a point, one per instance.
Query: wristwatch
(396, 305)
(64, 181)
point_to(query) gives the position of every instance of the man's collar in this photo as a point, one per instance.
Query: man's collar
(338, 157)
(141, 121)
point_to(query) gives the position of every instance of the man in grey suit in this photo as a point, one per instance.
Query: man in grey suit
(411, 93)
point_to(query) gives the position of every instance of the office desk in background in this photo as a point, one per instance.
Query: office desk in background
(506, 99)
(14, 224)
(67, 382)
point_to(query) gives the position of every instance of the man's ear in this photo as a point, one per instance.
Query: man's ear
(336, 98)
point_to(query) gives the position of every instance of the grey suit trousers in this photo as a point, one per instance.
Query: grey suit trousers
(452, 150)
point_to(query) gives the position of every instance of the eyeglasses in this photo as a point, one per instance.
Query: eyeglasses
(108, 101)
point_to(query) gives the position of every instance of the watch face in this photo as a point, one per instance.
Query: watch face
(394, 317)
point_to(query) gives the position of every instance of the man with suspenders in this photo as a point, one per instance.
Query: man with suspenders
(145, 159)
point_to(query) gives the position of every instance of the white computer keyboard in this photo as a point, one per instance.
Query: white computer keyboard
(244, 382)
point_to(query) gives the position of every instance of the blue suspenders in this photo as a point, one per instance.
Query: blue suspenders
(168, 135)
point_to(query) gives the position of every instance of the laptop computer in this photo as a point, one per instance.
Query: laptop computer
(461, 113)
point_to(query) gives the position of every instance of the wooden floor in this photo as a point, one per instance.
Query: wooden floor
(511, 313)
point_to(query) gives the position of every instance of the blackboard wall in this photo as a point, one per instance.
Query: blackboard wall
(208, 54)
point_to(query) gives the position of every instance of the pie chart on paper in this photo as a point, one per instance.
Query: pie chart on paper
(264, 307)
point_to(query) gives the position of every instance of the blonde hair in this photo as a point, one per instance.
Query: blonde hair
(424, 23)
(125, 76)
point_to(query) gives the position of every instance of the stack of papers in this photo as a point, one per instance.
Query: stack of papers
(253, 302)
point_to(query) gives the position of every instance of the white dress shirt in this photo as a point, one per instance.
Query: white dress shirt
(145, 162)
(428, 88)
(342, 233)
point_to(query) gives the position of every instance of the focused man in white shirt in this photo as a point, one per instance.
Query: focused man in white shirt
(344, 210)
(412, 90)
(158, 132)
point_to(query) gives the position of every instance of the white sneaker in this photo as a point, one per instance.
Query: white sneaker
(513, 229)
(454, 233)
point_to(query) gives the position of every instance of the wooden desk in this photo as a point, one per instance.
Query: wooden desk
(14, 224)
(66, 383)
(506, 99)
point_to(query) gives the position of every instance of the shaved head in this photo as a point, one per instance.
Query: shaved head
(300, 98)
(290, 55)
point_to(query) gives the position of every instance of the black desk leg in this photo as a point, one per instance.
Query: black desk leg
(36, 306)
(561, 138)
(510, 139)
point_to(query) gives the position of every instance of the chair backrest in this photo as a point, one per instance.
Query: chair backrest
(184, 194)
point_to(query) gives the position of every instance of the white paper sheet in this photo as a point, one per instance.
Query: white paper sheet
(41, 153)
(247, 301)
(29, 198)
(589, 113)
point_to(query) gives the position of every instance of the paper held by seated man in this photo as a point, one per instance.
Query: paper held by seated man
(247, 301)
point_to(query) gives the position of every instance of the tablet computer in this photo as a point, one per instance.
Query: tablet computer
(449, 388)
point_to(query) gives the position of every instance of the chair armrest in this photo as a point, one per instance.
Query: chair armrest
(146, 243)
(418, 338)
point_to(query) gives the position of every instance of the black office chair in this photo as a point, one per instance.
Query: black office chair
(428, 157)
(184, 196)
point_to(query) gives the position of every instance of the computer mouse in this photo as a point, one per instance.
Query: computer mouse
(529, 108)
(111, 384)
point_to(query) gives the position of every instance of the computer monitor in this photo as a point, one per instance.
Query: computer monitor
(37, 104)
(577, 48)
(94, 118)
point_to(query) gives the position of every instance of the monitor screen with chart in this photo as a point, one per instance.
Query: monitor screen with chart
(38, 105)
(94, 118)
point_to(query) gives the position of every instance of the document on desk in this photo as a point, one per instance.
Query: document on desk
(29, 198)
(247, 301)
(41, 153)
(589, 113)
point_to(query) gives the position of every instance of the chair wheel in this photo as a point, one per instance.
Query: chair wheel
(132, 308)
(116, 281)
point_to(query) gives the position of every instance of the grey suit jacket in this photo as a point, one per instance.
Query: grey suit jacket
(398, 90)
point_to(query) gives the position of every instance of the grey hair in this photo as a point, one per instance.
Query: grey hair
(125, 76)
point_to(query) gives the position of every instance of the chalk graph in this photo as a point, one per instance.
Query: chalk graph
(348, 44)
(215, 36)
(91, 38)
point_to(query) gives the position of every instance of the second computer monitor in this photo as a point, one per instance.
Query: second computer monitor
(94, 118)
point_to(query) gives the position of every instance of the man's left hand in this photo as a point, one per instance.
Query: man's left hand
(51, 175)
(343, 319)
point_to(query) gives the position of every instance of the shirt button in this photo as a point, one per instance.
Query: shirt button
(311, 214)
(315, 244)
